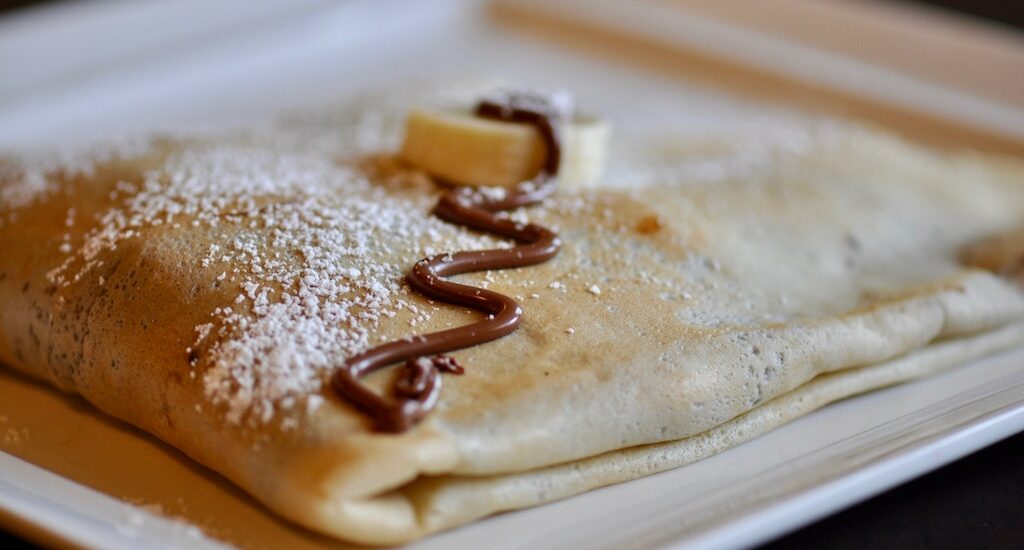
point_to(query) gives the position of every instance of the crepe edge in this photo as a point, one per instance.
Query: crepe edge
(428, 504)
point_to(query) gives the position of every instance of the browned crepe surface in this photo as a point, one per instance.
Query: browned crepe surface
(203, 288)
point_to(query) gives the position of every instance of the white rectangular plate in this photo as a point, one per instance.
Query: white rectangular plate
(69, 473)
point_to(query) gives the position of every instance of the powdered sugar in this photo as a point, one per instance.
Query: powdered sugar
(316, 248)
(644, 157)
(318, 252)
(331, 297)
(26, 179)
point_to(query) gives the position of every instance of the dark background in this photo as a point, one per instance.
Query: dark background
(1005, 12)
(976, 502)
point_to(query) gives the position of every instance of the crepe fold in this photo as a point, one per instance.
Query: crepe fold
(691, 309)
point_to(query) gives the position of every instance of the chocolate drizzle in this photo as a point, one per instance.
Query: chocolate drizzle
(418, 385)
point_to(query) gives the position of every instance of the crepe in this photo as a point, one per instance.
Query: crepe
(711, 288)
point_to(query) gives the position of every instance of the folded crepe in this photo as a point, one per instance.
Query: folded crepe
(712, 287)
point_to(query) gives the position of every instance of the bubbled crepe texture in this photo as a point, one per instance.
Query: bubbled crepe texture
(730, 301)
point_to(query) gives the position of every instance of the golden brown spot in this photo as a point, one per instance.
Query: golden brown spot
(389, 170)
(649, 225)
(1002, 253)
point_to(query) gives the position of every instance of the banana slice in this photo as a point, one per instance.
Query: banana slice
(467, 150)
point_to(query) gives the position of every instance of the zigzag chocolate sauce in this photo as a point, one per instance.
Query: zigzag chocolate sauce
(416, 389)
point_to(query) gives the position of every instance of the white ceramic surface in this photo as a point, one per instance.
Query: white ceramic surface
(231, 69)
